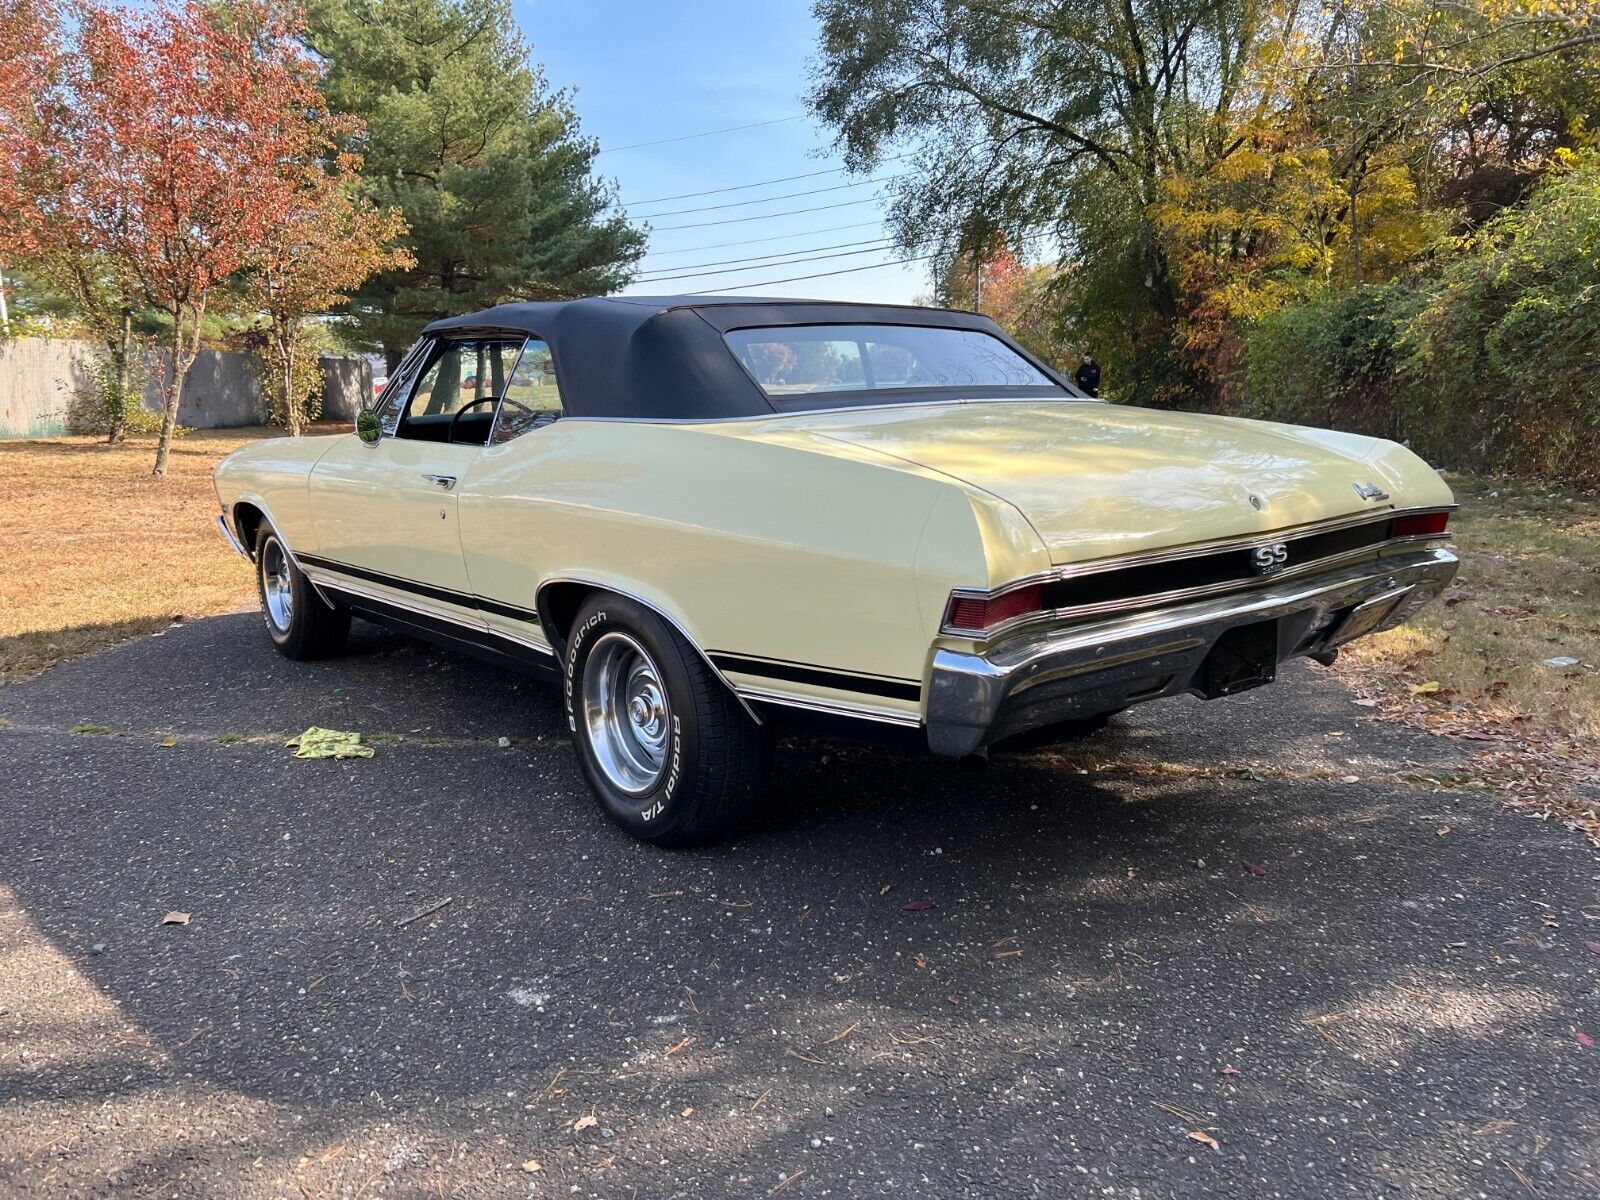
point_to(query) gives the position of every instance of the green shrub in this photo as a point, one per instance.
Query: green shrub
(1330, 360)
(1489, 361)
(1501, 367)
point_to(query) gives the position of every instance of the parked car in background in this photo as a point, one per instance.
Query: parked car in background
(708, 518)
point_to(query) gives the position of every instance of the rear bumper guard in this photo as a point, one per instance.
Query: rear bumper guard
(1046, 677)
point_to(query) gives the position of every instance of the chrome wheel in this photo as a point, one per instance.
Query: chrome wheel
(277, 589)
(626, 714)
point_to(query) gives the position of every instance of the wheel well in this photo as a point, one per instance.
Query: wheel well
(558, 608)
(560, 601)
(246, 522)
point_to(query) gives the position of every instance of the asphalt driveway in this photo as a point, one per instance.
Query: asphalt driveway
(1265, 955)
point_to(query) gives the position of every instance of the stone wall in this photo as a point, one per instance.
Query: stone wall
(38, 377)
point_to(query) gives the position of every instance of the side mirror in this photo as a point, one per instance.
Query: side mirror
(367, 427)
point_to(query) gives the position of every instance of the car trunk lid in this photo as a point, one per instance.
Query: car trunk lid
(1098, 480)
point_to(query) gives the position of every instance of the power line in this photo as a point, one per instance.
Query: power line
(767, 266)
(793, 212)
(745, 187)
(728, 262)
(731, 267)
(897, 262)
(782, 237)
(838, 187)
(688, 137)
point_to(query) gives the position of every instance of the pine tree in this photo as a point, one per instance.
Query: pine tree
(483, 159)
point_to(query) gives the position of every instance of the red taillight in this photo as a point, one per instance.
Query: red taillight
(978, 614)
(1419, 524)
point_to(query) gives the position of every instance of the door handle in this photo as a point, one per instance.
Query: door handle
(445, 481)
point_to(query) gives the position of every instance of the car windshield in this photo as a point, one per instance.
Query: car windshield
(799, 360)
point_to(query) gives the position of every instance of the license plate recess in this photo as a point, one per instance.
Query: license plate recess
(1244, 657)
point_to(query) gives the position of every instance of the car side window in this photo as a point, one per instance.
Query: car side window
(532, 397)
(457, 392)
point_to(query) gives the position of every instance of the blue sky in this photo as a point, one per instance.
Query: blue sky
(645, 71)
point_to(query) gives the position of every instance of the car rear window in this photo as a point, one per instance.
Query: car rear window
(799, 360)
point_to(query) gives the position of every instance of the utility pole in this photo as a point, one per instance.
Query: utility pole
(5, 315)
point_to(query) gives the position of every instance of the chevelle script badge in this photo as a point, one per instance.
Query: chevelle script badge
(1370, 491)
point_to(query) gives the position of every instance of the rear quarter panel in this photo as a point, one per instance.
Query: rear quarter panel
(754, 548)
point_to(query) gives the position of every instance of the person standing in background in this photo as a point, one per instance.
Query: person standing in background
(1088, 376)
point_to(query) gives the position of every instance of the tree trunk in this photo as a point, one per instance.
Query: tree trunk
(291, 402)
(119, 356)
(182, 358)
(1355, 233)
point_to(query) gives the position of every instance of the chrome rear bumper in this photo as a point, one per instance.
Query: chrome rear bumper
(1044, 677)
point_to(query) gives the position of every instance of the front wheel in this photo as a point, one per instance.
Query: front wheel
(667, 749)
(301, 624)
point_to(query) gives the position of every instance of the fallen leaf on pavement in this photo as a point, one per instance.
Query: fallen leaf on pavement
(1255, 868)
(1424, 689)
(1585, 1040)
(1230, 1070)
(587, 1121)
(532, 1165)
(1592, 947)
(175, 918)
(919, 905)
(1201, 1136)
(317, 742)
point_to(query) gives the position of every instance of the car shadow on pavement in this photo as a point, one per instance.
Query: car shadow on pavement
(431, 968)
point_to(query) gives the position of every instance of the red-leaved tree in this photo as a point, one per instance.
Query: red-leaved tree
(326, 246)
(188, 129)
(30, 62)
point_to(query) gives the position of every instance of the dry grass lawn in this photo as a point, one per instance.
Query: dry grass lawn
(1528, 592)
(94, 550)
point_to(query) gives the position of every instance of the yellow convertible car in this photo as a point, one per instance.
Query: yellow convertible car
(710, 517)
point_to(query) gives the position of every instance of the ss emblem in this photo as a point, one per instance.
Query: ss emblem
(1267, 559)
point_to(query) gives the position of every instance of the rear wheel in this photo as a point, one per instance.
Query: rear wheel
(301, 624)
(669, 752)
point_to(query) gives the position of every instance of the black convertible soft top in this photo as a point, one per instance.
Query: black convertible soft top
(663, 357)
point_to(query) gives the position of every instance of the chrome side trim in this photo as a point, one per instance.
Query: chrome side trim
(1155, 557)
(343, 583)
(238, 549)
(670, 620)
(521, 640)
(881, 715)
(410, 605)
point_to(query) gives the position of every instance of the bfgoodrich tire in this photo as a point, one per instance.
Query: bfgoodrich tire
(299, 621)
(670, 753)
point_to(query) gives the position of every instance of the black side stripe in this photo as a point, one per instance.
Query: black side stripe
(462, 599)
(819, 676)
